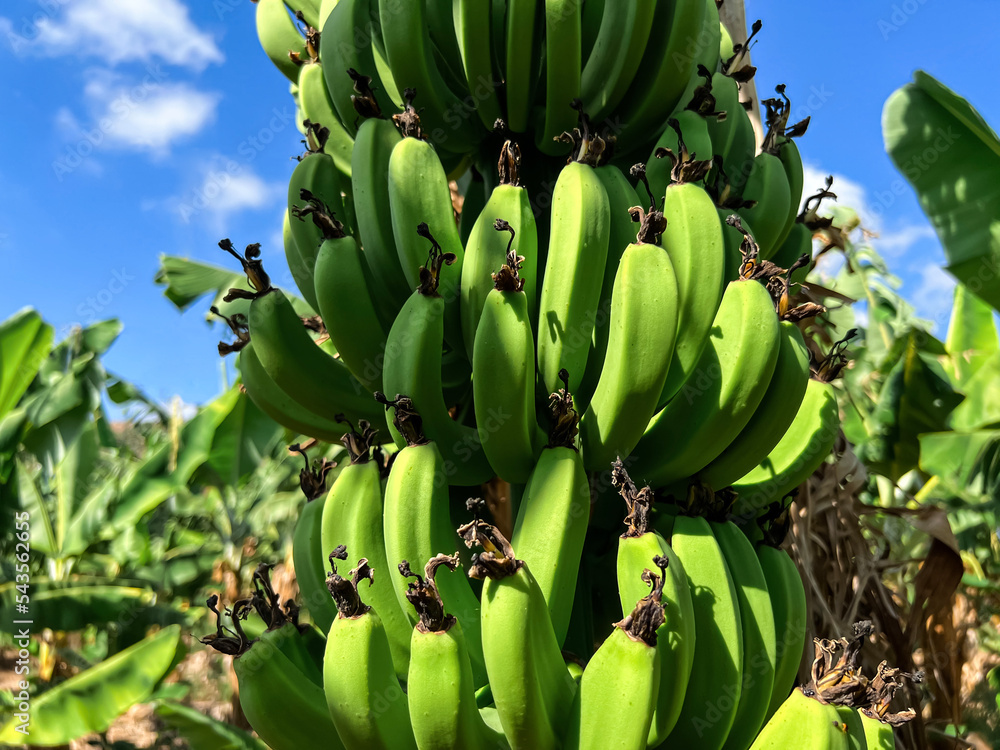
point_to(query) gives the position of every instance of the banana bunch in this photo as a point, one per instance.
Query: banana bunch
(538, 253)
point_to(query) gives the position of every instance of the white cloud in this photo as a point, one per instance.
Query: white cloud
(149, 116)
(116, 32)
(225, 190)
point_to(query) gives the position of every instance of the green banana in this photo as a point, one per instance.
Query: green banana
(301, 274)
(591, 17)
(299, 367)
(721, 395)
(768, 186)
(352, 516)
(788, 602)
(417, 521)
(519, 70)
(309, 10)
(644, 319)
(563, 39)
(532, 688)
(878, 735)
(473, 203)
(758, 632)
(733, 137)
(280, 406)
(373, 146)
(279, 35)
(405, 32)
(345, 294)
(713, 691)
(473, 20)
(552, 518)
(346, 45)
(791, 160)
(773, 417)
(676, 638)
(317, 173)
(486, 249)
(616, 55)
(694, 241)
(618, 692)
(365, 700)
(674, 158)
(504, 362)
(796, 244)
(307, 545)
(440, 689)
(854, 730)
(667, 67)
(314, 99)
(571, 285)
(801, 450)
(802, 721)
(622, 197)
(325, 9)
(419, 194)
(413, 369)
(284, 704)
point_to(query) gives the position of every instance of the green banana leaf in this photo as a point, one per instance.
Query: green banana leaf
(972, 336)
(982, 399)
(91, 700)
(25, 343)
(951, 157)
(203, 732)
(952, 456)
(916, 398)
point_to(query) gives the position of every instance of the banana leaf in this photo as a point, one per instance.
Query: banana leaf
(203, 732)
(91, 700)
(951, 157)
(25, 343)
(981, 407)
(972, 336)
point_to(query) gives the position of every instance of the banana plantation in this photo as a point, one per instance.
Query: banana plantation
(568, 407)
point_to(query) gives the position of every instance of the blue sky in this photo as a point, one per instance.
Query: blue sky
(136, 128)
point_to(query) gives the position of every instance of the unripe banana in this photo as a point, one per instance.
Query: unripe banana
(440, 689)
(419, 194)
(279, 35)
(352, 517)
(410, 54)
(571, 285)
(802, 721)
(553, 515)
(365, 699)
(644, 319)
(416, 519)
(676, 638)
(473, 203)
(413, 369)
(682, 154)
(791, 160)
(757, 624)
(345, 294)
(346, 45)
(531, 686)
(520, 64)
(773, 417)
(720, 397)
(563, 65)
(616, 55)
(713, 691)
(801, 450)
(307, 547)
(618, 692)
(280, 406)
(854, 730)
(666, 68)
(308, 8)
(504, 365)
(373, 148)
(768, 186)
(694, 241)
(473, 20)
(621, 198)
(733, 136)
(486, 249)
(788, 602)
(314, 99)
(878, 735)
(796, 244)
